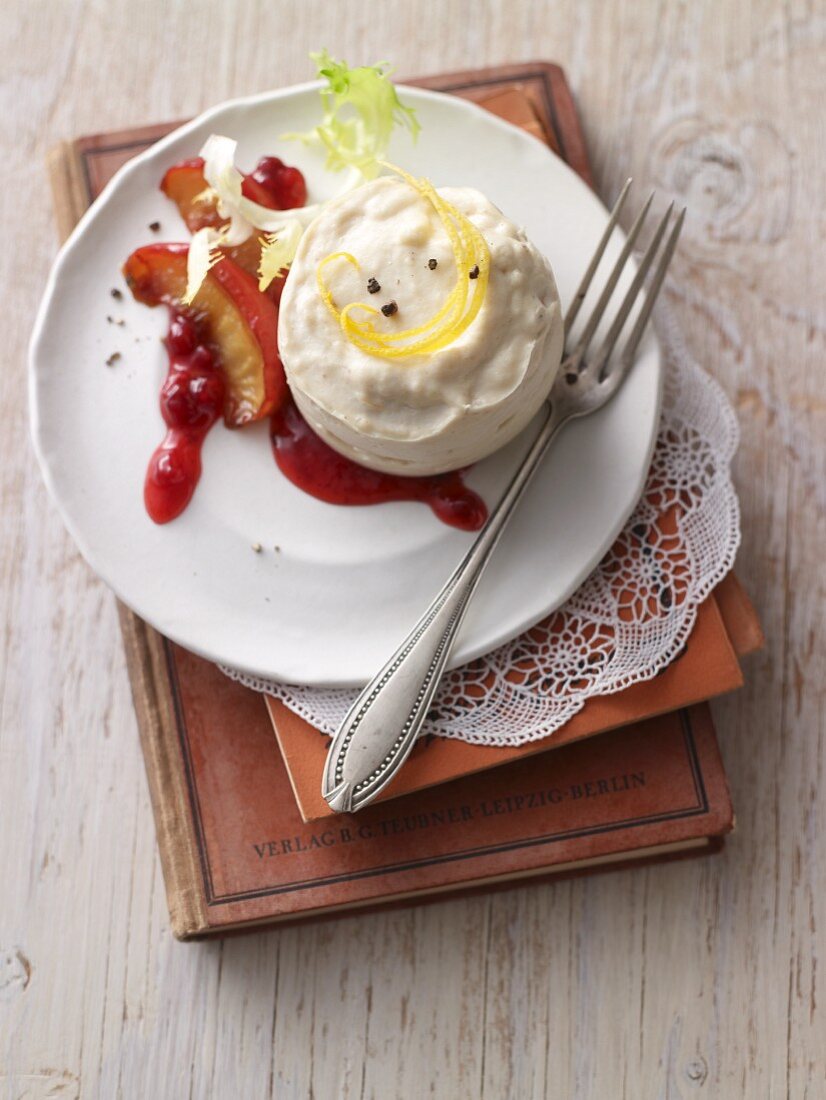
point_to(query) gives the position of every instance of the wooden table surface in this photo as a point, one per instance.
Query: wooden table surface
(702, 978)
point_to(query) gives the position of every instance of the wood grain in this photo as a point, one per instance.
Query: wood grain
(700, 978)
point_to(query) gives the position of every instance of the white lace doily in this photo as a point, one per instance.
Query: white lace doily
(634, 613)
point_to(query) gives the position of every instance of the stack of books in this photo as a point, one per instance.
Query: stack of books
(235, 778)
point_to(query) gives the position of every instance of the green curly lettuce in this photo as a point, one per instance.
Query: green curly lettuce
(361, 108)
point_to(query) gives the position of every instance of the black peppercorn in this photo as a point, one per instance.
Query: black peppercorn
(474, 272)
(154, 226)
(373, 286)
(389, 308)
(432, 264)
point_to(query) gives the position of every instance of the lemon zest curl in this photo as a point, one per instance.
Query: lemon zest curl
(457, 313)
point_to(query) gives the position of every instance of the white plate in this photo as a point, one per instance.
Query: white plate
(347, 583)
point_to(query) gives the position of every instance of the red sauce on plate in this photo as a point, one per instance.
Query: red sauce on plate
(316, 468)
(191, 400)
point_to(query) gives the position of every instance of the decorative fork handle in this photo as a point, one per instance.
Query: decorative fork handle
(381, 727)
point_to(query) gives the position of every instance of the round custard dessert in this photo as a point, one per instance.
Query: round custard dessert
(450, 392)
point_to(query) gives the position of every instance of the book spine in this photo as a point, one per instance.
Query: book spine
(166, 775)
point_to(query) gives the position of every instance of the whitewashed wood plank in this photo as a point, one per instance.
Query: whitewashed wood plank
(695, 978)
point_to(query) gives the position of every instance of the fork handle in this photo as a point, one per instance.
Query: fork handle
(381, 727)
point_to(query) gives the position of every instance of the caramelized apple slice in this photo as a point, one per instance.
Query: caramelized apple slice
(184, 183)
(240, 321)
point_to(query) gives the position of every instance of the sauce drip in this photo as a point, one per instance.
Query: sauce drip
(191, 400)
(315, 467)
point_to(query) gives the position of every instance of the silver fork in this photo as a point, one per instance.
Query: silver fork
(376, 737)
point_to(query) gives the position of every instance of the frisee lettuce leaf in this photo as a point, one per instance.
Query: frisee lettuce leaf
(202, 255)
(278, 252)
(361, 107)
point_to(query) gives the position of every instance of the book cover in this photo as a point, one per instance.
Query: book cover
(238, 853)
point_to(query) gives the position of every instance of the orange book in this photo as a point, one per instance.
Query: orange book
(237, 853)
(726, 628)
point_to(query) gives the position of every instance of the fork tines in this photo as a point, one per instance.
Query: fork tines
(597, 363)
